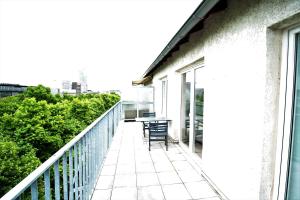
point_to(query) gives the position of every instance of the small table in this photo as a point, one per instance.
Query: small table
(151, 119)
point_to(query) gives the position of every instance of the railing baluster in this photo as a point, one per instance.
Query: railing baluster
(34, 191)
(47, 184)
(108, 132)
(98, 148)
(83, 167)
(90, 164)
(93, 156)
(71, 191)
(76, 171)
(56, 180)
(86, 166)
(80, 169)
(113, 123)
(101, 125)
(65, 177)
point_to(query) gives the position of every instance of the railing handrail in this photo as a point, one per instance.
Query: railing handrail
(137, 102)
(33, 176)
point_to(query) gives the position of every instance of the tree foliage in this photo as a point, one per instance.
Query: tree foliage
(35, 124)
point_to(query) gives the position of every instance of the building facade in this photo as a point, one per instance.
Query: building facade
(7, 89)
(228, 80)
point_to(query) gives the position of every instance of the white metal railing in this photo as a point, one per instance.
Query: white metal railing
(75, 167)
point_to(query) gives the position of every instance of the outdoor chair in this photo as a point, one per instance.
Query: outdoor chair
(146, 124)
(158, 131)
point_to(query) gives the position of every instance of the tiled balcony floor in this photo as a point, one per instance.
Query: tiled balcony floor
(130, 171)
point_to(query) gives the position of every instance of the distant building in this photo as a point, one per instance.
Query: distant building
(66, 85)
(77, 87)
(83, 82)
(7, 89)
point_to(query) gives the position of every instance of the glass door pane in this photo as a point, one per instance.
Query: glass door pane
(199, 105)
(293, 185)
(187, 79)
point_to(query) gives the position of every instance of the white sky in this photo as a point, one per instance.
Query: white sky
(114, 42)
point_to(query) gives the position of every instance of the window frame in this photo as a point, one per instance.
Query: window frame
(164, 96)
(189, 68)
(286, 108)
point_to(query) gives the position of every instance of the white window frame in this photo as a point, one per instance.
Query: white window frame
(164, 96)
(189, 68)
(285, 113)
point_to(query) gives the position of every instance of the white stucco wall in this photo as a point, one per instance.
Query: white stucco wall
(241, 94)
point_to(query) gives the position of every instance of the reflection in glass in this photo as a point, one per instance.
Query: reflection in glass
(187, 77)
(198, 120)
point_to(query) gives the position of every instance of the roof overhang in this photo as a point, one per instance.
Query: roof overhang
(193, 24)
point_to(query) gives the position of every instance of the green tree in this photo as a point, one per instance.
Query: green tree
(16, 163)
(40, 93)
(36, 124)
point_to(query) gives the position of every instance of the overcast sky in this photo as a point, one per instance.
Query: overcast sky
(113, 42)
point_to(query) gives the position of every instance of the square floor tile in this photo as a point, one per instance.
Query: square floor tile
(125, 169)
(176, 157)
(128, 180)
(105, 182)
(143, 159)
(200, 190)
(111, 161)
(159, 157)
(163, 166)
(144, 167)
(126, 160)
(101, 194)
(182, 165)
(147, 179)
(175, 192)
(108, 170)
(168, 178)
(190, 176)
(124, 193)
(150, 193)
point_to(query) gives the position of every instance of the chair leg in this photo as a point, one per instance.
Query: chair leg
(149, 144)
(144, 129)
(166, 142)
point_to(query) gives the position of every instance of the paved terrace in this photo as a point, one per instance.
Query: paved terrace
(130, 171)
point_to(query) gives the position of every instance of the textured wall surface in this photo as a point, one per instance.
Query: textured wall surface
(242, 65)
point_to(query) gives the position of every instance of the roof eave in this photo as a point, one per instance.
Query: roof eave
(202, 10)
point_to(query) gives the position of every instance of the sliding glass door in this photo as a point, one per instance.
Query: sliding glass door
(198, 108)
(186, 99)
(192, 109)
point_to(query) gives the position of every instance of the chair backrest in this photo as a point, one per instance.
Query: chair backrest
(158, 128)
(149, 114)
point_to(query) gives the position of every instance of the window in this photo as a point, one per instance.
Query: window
(192, 107)
(289, 143)
(164, 85)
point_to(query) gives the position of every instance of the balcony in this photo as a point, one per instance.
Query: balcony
(110, 160)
